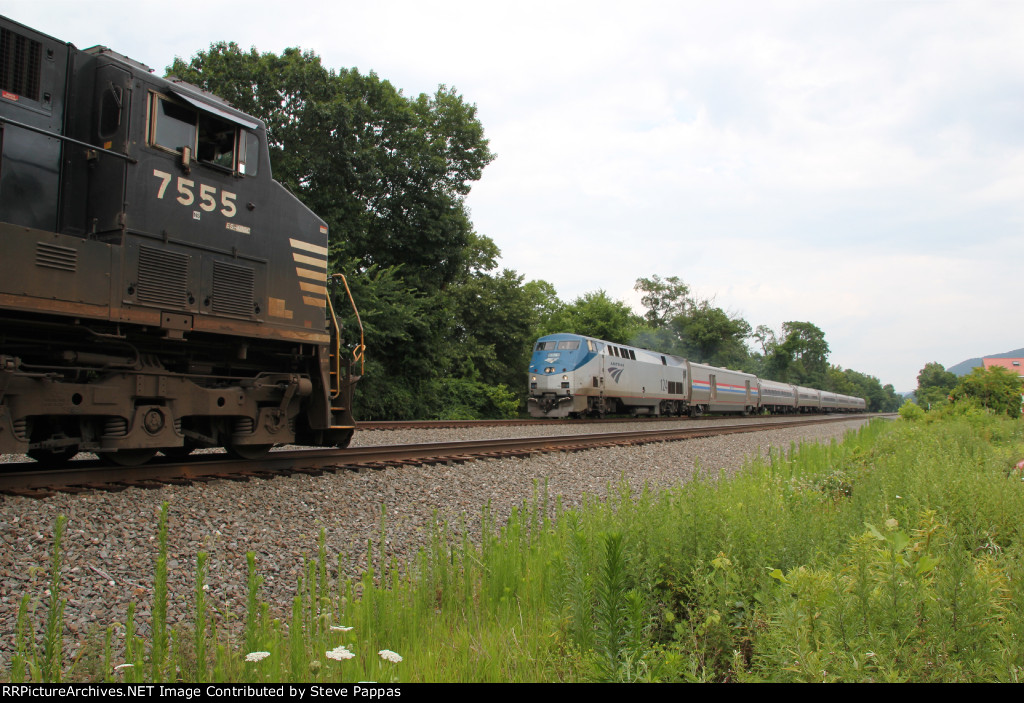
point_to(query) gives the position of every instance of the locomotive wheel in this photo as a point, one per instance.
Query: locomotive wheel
(53, 457)
(127, 457)
(249, 452)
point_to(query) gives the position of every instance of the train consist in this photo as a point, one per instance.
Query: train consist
(572, 375)
(159, 291)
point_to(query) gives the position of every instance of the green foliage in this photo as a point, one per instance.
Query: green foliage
(158, 655)
(595, 315)
(911, 410)
(934, 385)
(665, 300)
(466, 399)
(683, 325)
(996, 389)
(801, 357)
(53, 639)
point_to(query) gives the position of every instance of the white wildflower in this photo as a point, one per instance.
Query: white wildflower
(256, 656)
(390, 656)
(340, 628)
(339, 653)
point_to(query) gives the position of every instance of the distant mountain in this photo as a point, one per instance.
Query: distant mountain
(964, 367)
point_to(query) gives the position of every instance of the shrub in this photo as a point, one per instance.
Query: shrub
(911, 410)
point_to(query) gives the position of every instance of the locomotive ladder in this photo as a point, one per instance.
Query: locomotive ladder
(358, 354)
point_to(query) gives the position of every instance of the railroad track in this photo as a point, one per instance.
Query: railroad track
(30, 479)
(455, 424)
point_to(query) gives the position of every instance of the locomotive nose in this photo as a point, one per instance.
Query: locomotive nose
(551, 380)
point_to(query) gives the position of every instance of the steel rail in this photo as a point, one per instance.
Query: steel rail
(93, 475)
(376, 425)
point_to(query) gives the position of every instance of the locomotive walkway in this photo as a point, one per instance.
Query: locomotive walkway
(32, 479)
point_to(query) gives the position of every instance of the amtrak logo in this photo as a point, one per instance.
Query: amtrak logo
(552, 358)
(616, 371)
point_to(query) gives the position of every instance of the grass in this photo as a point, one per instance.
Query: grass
(895, 555)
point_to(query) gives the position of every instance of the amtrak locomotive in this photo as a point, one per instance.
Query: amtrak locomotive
(572, 375)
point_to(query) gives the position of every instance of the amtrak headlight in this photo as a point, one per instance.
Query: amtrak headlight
(565, 378)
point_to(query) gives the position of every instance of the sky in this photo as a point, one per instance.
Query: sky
(856, 164)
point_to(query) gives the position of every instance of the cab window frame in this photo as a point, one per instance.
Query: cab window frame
(208, 131)
(156, 121)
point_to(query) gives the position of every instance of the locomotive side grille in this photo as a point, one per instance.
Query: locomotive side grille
(232, 289)
(52, 256)
(20, 64)
(163, 278)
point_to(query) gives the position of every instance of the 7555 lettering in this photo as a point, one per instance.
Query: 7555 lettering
(187, 195)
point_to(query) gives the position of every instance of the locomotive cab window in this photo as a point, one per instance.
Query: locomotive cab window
(248, 152)
(216, 142)
(173, 126)
(210, 138)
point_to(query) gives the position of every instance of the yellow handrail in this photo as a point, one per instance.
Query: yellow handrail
(359, 353)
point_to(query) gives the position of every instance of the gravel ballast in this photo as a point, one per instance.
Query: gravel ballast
(110, 543)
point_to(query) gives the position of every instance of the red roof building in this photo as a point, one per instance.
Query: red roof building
(1015, 365)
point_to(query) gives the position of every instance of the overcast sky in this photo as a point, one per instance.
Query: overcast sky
(855, 164)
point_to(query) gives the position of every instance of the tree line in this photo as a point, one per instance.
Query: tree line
(449, 333)
(995, 389)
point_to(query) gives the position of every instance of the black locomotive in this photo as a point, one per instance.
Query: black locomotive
(159, 291)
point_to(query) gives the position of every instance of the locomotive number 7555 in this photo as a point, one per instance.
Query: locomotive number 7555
(207, 194)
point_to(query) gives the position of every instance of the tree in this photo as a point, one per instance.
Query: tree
(934, 384)
(711, 336)
(765, 336)
(665, 300)
(594, 314)
(891, 400)
(388, 173)
(545, 304)
(802, 356)
(996, 388)
(693, 328)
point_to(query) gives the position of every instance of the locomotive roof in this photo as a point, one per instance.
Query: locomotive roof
(100, 50)
(192, 94)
